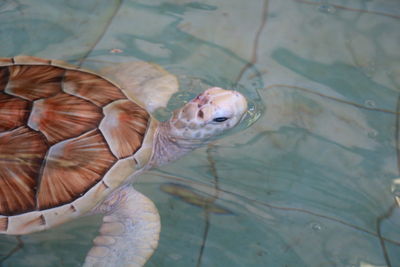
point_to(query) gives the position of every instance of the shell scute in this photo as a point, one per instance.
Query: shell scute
(4, 77)
(124, 126)
(21, 154)
(72, 167)
(91, 88)
(14, 112)
(5, 61)
(3, 224)
(63, 116)
(36, 221)
(23, 59)
(32, 83)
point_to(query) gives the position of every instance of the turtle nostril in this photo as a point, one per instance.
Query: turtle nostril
(200, 114)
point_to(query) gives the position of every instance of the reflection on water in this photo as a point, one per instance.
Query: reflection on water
(191, 197)
(311, 178)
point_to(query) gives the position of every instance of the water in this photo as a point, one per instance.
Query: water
(312, 177)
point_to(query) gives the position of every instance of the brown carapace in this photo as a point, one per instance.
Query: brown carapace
(61, 130)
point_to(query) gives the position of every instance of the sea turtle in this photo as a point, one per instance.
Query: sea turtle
(72, 142)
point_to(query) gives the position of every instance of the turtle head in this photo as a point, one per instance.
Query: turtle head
(209, 114)
(197, 122)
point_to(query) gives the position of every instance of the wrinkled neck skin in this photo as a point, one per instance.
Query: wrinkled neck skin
(168, 147)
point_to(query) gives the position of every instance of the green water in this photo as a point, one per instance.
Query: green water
(312, 177)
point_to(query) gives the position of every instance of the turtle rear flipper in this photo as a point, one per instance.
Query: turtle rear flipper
(130, 231)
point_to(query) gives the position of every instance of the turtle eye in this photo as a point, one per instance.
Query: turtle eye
(220, 119)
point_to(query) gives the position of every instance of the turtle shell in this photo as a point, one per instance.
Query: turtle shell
(68, 137)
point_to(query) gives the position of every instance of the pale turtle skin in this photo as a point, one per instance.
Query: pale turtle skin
(72, 142)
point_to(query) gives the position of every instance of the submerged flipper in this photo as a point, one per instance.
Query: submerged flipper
(130, 231)
(145, 83)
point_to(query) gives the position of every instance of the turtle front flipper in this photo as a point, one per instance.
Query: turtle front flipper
(145, 83)
(130, 231)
